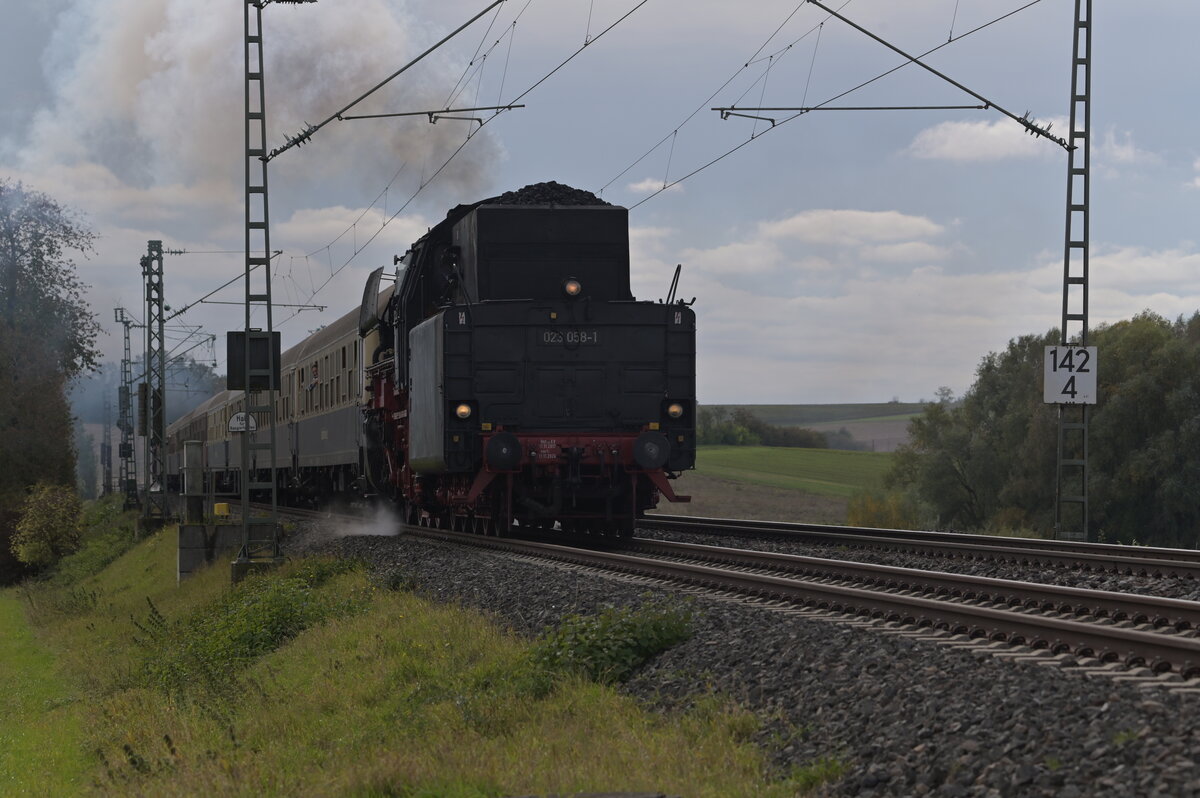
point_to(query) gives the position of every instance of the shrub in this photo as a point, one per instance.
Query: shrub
(203, 653)
(610, 646)
(890, 510)
(107, 533)
(49, 527)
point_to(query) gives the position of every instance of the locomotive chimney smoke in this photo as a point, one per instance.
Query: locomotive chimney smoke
(153, 94)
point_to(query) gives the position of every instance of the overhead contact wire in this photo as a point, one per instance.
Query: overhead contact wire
(571, 57)
(836, 97)
(507, 58)
(720, 89)
(762, 94)
(776, 33)
(812, 63)
(466, 70)
(426, 181)
(670, 156)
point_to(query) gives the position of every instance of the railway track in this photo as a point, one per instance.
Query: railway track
(1099, 557)
(1136, 631)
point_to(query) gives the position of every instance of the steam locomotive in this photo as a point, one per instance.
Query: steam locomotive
(508, 378)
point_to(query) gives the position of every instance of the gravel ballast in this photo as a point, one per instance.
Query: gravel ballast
(905, 717)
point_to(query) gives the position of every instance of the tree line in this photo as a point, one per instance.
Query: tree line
(720, 426)
(989, 462)
(47, 339)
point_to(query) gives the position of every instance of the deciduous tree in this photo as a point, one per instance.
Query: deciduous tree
(47, 337)
(989, 462)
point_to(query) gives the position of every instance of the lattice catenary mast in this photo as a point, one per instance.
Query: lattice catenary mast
(1071, 489)
(128, 469)
(154, 508)
(106, 459)
(255, 368)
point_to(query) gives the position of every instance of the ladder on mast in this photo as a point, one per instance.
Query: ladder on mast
(1071, 489)
(260, 535)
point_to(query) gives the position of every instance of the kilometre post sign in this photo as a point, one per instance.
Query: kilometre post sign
(1070, 375)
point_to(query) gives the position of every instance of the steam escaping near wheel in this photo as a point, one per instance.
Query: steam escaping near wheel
(383, 522)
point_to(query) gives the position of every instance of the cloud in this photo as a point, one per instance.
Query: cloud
(314, 228)
(1124, 152)
(907, 252)
(849, 227)
(996, 140)
(650, 185)
(152, 94)
(738, 258)
(851, 333)
(142, 131)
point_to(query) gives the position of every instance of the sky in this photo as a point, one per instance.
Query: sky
(841, 256)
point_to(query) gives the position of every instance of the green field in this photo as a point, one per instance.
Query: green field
(826, 472)
(804, 415)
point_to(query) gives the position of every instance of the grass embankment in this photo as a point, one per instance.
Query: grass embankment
(826, 472)
(315, 680)
(41, 739)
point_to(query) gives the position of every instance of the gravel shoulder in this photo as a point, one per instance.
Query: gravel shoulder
(906, 717)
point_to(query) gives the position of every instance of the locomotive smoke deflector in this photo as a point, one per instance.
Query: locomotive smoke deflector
(368, 312)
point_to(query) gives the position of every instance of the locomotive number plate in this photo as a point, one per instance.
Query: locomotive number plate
(569, 337)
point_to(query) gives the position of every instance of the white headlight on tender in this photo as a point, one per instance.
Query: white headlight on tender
(463, 410)
(675, 410)
(572, 287)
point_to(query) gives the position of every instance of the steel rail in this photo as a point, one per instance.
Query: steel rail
(1134, 607)
(1133, 560)
(1109, 643)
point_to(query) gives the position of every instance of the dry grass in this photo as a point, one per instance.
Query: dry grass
(399, 698)
(412, 698)
(715, 497)
(41, 739)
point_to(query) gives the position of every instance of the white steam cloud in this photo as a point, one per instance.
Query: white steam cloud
(153, 94)
(383, 522)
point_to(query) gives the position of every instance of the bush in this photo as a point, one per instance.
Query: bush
(107, 533)
(49, 527)
(610, 646)
(891, 510)
(201, 655)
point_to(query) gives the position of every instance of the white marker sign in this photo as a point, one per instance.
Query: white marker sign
(1070, 375)
(237, 423)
